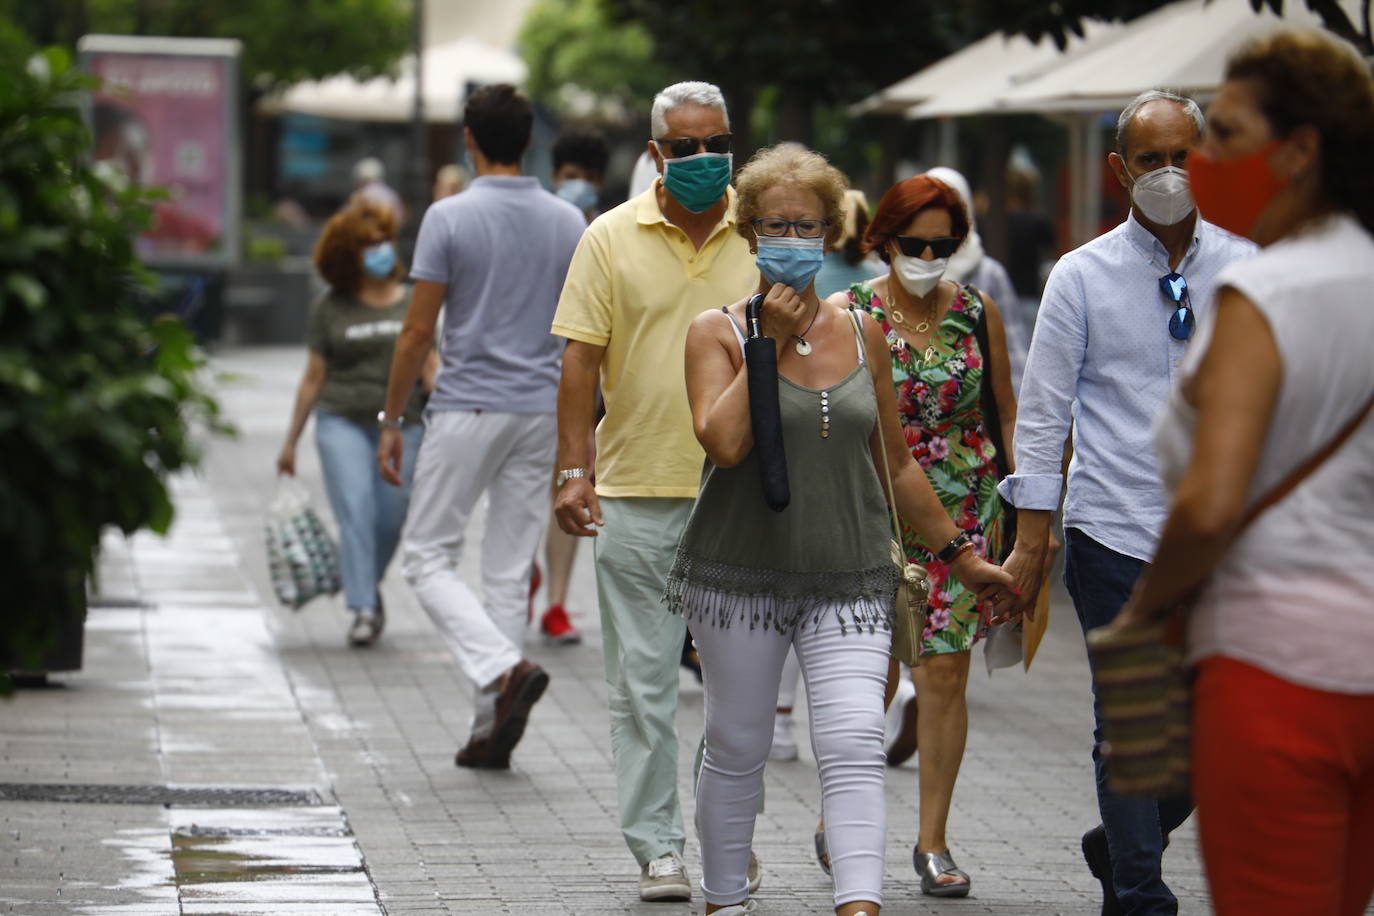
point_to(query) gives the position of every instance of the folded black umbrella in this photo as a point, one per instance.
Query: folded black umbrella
(761, 365)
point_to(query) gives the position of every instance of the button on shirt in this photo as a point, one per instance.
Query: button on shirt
(1102, 360)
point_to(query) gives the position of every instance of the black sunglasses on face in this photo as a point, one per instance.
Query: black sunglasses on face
(681, 147)
(1181, 322)
(913, 246)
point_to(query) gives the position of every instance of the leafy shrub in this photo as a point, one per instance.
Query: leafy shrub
(96, 405)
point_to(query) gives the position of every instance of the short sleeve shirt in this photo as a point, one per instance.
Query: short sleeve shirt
(357, 341)
(635, 284)
(502, 248)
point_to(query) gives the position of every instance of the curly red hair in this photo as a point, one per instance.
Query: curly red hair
(338, 253)
(903, 201)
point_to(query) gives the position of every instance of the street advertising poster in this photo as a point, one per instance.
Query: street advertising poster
(166, 115)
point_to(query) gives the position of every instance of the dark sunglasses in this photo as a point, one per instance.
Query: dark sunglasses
(681, 147)
(913, 246)
(1181, 322)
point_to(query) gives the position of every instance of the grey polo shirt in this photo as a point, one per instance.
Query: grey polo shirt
(502, 246)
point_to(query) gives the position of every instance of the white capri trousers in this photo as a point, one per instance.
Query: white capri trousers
(844, 672)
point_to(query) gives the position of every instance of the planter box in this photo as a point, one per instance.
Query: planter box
(64, 655)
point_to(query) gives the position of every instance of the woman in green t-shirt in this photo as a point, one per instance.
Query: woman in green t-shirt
(351, 336)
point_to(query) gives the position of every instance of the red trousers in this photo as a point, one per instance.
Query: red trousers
(1283, 777)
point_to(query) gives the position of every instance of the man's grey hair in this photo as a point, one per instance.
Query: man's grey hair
(1123, 123)
(679, 94)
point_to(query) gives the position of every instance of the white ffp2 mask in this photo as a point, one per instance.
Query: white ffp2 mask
(1163, 195)
(918, 276)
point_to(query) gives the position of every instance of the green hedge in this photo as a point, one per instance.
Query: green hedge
(96, 405)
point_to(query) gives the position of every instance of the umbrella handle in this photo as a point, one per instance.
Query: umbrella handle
(751, 315)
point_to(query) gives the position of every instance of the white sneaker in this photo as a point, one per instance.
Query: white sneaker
(755, 873)
(747, 908)
(367, 626)
(665, 878)
(784, 742)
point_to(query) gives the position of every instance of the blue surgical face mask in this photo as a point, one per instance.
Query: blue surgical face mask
(580, 193)
(698, 182)
(380, 260)
(790, 261)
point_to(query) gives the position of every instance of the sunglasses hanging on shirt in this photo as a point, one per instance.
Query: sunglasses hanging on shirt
(913, 246)
(1181, 322)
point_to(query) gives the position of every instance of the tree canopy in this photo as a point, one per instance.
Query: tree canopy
(575, 53)
(283, 43)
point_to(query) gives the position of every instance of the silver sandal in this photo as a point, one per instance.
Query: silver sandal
(931, 865)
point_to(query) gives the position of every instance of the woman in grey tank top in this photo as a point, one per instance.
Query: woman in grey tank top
(817, 576)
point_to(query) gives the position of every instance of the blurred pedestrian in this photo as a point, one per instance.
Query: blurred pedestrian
(930, 322)
(972, 265)
(369, 185)
(352, 330)
(1030, 245)
(493, 258)
(579, 173)
(1282, 631)
(579, 169)
(1113, 329)
(817, 578)
(642, 272)
(449, 180)
(847, 262)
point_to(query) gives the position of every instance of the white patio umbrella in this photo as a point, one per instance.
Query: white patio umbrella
(1182, 46)
(447, 69)
(982, 69)
(994, 66)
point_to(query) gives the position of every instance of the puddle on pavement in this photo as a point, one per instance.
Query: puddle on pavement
(243, 860)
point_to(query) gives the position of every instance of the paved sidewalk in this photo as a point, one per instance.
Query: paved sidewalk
(212, 685)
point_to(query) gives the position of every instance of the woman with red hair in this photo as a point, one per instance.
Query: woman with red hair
(352, 332)
(933, 327)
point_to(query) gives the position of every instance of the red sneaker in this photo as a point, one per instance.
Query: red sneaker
(557, 628)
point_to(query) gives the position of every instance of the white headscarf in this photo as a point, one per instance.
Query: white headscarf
(969, 255)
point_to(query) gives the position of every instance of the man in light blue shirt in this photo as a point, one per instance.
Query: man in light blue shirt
(1115, 320)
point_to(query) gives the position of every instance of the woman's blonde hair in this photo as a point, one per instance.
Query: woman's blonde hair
(790, 164)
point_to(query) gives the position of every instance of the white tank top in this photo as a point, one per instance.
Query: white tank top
(1294, 595)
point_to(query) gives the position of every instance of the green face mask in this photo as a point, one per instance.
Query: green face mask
(698, 182)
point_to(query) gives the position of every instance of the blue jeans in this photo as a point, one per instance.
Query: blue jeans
(1100, 580)
(368, 510)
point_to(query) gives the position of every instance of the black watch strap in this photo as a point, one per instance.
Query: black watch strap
(951, 550)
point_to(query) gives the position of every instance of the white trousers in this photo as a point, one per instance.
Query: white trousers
(464, 453)
(844, 675)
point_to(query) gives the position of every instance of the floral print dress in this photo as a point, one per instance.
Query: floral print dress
(939, 400)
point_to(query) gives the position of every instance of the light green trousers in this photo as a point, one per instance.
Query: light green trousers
(642, 646)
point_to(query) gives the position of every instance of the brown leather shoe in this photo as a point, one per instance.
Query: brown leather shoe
(477, 755)
(523, 688)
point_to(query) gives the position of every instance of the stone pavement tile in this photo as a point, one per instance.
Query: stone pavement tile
(387, 721)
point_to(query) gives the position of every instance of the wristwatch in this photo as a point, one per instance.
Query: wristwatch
(384, 423)
(569, 473)
(959, 542)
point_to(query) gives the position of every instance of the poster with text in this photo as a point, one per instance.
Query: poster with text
(167, 120)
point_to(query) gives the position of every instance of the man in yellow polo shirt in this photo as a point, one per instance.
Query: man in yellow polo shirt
(641, 273)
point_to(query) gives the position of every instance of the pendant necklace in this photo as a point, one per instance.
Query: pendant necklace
(802, 347)
(898, 318)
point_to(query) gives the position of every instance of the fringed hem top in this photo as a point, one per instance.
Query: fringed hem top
(739, 562)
